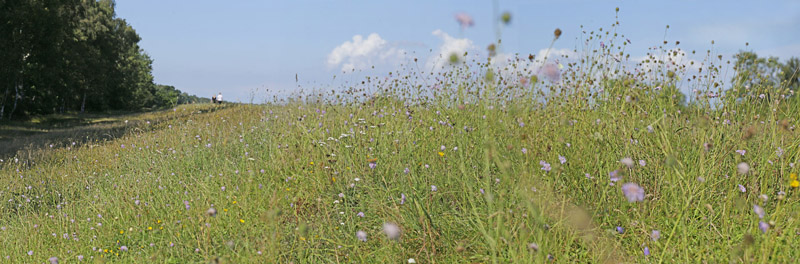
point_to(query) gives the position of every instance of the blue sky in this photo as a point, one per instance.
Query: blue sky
(235, 47)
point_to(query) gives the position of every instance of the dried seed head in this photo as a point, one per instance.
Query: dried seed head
(557, 33)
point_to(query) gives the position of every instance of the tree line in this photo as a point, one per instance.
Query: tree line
(74, 56)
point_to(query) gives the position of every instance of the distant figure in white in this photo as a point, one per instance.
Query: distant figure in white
(219, 98)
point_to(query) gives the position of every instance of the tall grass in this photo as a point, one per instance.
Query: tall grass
(498, 161)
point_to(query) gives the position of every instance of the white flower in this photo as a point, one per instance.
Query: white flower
(391, 230)
(627, 162)
(743, 168)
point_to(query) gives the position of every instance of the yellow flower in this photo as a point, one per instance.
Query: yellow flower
(225, 209)
(311, 163)
(793, 176)
(121, 232)
(149, 228)
(234, 202)
(794, 184)
(441, 154)
(241, 221)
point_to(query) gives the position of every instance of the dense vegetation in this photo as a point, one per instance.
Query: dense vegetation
(523, 160)
(73, 55)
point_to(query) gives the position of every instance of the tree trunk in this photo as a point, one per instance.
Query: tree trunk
(3, 104)
(17, 96)
(83, 104)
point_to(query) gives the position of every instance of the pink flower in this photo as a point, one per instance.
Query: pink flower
(464, 20)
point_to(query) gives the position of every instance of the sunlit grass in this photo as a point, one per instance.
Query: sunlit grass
(473, 166)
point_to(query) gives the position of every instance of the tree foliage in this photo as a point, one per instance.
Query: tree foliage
(756, 76)
(74, 55)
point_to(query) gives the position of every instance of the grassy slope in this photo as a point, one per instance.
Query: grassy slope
(289, 181)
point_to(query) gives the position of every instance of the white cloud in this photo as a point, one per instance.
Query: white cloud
(449, 46)
(362, 53)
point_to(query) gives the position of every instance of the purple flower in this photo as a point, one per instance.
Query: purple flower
(524, 151)
(361, 235)
(779, 152)
(614, 176)
(360, 214)
(433, 188)
(741, 151)
(646, 251)
(642, 163)
(123, 248)
(402, 198)
(742, 188)
(620, 230)
(562, 159)
(545, 166)
(655, 235)
(758, 210)
(53, 260)
(406, 171)
(372, 165)
(602, 45)
(763, 226)
(633, 192)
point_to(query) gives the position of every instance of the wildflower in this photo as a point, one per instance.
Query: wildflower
(80, 257)
(742, 188)
(402, 198)
(464, 20)
(30, 253)
(373, 164)
(406, 171)
(763, 226)
(360, 214)
(411, 261)
(646, 251)
(655, 235)
(211, 212)
(441, 154)
(758, 210)
(743, 168)
(53, 260)
(741, 151)
(627, 162)
(649, 129)
(620, 230)
(533, 246)
(545, 166)
(562, 159)
(361, 235)
(123, 248)
(633, 192)
(524, 151)
(642, 163)
(779, 152)
(794, 184)
(614, 177)
(392, 231)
